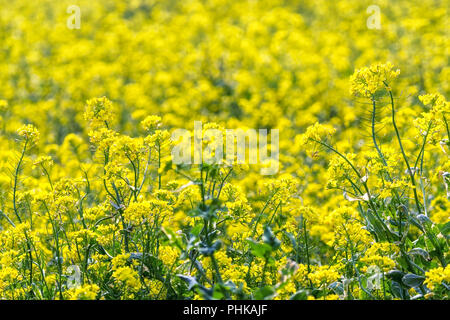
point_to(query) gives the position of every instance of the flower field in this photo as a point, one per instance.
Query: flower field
(95, 204)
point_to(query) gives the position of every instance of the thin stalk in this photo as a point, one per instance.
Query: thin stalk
(373, 133)
(405, 158)
(16, 178)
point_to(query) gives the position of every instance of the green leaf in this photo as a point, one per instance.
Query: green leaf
(217, 293)
(412, 280)
(337, 287)
(270, 239)
(265, 293)
(300, 295)
(191, 281)
(424, 219)
(197, 229)
(397, 290)
(209, 250)
(445, 229)
(173, 238)
(396, 275)
(261, 250)
(291, 238)
(421, 252)
(206, 293)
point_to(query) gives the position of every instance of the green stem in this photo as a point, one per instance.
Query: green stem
(413, 182)
(16, 179)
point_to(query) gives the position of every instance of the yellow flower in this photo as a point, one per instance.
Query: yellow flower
(29, 133)
(380, 254)
(168, 255)
(120, 260)
(314, 134)
(3, 105)
(84, 292)
(435, 277)
(368, 81)
(127, 277)
(99, 112)
(323, 276)
(151, 123)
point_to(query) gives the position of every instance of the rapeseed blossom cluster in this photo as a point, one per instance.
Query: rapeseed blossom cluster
(368, 81)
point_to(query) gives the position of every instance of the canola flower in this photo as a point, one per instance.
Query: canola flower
(93, 207)
(369, 80)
